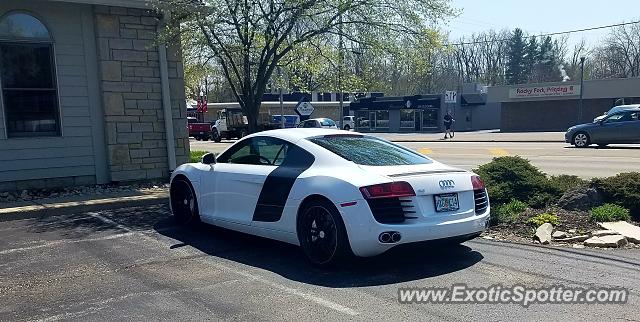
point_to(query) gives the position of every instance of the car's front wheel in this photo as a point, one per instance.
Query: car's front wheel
(581, 140)
(322, 234)
(347, 127)
(184, 203)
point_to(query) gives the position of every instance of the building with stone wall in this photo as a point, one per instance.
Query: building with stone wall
(86, 94)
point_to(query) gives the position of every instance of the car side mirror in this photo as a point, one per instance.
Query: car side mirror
(209, 158)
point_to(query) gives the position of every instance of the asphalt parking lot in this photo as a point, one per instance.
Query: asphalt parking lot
(554, 158)
(135, 264)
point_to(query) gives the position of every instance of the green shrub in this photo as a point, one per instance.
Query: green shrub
(544, 218)
(564, 183)
(196, 156)
(623, 190)
(508, 213)
(609, 212)
(513, 177)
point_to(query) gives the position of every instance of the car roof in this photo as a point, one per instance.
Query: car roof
(627, 107)
(295, 134)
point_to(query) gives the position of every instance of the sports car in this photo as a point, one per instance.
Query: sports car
(334, 193)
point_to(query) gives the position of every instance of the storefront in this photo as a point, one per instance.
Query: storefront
(420, 113)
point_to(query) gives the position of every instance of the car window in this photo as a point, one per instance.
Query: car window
(256, 151)
(310, 124)
(368, 150)
(327, 122)
(620, 117)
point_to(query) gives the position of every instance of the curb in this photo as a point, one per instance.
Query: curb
(66, 208)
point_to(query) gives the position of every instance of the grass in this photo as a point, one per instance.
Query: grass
(196, 156)
(609, 212)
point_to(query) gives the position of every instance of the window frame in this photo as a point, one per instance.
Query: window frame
(54, 69)
(241, 144)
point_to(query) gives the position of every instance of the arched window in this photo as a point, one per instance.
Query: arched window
(27, 77)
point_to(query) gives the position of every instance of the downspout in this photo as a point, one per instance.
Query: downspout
(166, 98)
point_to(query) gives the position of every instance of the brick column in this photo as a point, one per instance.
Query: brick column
(132, 94)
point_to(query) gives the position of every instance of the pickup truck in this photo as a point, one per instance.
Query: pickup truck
(231, 123)
(198, 130)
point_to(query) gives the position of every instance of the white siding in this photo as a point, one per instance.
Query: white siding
(72, 154)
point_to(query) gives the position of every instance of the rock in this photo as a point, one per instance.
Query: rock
(614, 241)
(543, 233)
(573, 231)
(581, 198)
(573, 239)
(577, 246)
(598, 233)
(631, 232)
(559, 234)
(487, 237)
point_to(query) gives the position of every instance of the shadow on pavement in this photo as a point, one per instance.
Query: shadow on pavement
(608, 147)
(396, 266)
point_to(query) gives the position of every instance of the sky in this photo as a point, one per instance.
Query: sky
(542, 16)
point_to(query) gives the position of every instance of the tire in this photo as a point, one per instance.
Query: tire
(322, 235)
(184, 203)
(198, 138)
(347, 127)
(581, 140)
(215, 136)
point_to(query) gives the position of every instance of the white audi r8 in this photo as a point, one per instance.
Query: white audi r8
(334, 193)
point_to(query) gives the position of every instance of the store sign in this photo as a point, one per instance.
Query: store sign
(450, 97)
(544, 91)
(304, 108)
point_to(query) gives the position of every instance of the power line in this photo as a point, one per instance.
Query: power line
(548, 34)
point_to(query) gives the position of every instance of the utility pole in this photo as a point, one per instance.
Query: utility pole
(340, 63)
(281, 101)
(582, 59)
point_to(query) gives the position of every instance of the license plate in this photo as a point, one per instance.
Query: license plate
(447, 202)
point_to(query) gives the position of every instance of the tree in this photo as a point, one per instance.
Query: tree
(515, 60)
(249, 38)
(530, 59)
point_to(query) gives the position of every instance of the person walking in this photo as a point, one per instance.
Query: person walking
(448, 124)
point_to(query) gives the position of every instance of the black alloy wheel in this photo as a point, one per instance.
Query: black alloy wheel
(322, 235)
(184, 204)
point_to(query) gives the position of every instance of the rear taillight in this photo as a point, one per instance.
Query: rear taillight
(388, 190)
(477, 183)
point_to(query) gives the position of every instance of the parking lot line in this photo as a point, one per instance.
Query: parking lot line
(497, 152)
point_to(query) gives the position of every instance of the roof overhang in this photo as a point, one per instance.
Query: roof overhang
(142, 4)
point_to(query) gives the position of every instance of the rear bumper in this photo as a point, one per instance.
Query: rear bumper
(364, 231)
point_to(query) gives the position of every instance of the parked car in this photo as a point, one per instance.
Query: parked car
(334, 193)
(289, 121)
(198, 130)
(620, 127)
(324, 123)
(348, 122)
(615, 110)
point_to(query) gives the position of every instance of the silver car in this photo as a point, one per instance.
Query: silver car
(620, 127)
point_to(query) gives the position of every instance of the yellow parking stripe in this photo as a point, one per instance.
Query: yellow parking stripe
(497, 152)
(425, 150)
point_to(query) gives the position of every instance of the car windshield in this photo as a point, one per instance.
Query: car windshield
(327, 122)
(368, 150)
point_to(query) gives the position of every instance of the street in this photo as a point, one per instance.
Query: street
(134, 264)
(554, 158)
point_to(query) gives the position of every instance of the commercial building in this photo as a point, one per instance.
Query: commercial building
(86, 95)
(556, 106)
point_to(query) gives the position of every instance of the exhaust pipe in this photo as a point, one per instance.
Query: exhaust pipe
(384, 237)
(395, 237)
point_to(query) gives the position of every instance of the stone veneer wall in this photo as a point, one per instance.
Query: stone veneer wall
(132, 94)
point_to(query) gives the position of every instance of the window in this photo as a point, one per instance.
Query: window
(368, 150)
(27, 77)
(257, 151)
(620, 117)
(310, 124)
(407, 119)
(382, 119)
(327, 122)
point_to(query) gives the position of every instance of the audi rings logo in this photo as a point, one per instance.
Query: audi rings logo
(447, 184)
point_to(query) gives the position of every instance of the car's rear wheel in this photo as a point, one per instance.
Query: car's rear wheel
(184, 203)
(581, 140)
(322, 234)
